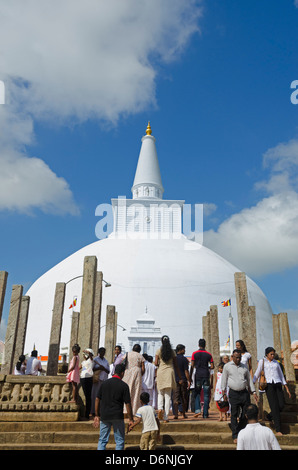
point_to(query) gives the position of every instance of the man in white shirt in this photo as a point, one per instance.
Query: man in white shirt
(237, 379)
(148, 378)
(33, 365)
(255, 436)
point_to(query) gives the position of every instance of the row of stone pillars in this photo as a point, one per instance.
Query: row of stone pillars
(85, 328)
(248, 331)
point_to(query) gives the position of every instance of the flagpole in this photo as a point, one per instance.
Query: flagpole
(231, 330)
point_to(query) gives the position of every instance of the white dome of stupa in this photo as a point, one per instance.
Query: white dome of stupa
(150, 265)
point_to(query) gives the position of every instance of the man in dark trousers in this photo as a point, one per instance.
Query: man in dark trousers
(237, 379)
(180, 394)
(202, 361)
(109, 409)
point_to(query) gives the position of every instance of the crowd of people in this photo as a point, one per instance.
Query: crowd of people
(150, 388)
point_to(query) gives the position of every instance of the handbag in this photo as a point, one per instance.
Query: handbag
(223, 405)
(125, 361)
(262, 380)
(96, 374)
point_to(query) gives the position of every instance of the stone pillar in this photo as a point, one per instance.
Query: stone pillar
(57, 317)
(97, 312)
(286, 346)
(74, 331)
(12, 328)
(204, 327)
(242, 305)
(214, 346)
(3, 283)
(110, 333)
(208, 329)
(22, 327)
(246, 317)
(276, 334)
(251, 338)
(87, 303)
(115, 330)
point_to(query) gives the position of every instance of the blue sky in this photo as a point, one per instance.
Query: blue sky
(213, 77)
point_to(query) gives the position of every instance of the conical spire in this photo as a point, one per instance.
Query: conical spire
(147, 182)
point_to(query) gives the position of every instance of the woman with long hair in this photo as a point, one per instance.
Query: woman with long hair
(275, 381)
(245, 355)
(166, 363)
(20, 366)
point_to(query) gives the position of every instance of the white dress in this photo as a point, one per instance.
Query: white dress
(245, 358)
(218, 389)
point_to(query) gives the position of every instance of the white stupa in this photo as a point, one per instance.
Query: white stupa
(150, 264)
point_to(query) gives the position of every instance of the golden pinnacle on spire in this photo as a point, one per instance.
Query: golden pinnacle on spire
(148, 130)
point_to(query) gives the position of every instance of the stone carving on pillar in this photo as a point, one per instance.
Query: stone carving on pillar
(19, 394)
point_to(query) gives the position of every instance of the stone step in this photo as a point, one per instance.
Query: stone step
(181, 434)
(82, 447)
(290, 421)
(81, 435)
(133, 438)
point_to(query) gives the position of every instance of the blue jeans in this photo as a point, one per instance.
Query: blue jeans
(104, 433)
(205, 384)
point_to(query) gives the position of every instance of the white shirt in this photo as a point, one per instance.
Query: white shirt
(236, 377)
(33, 366)
(87, 369)
(21, 371)
(148, 376)
(245, 358)
(272, 371)
(257, 437)
(148, 415)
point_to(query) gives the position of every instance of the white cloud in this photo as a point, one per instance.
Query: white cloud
(27, 183)
(71, 61)
(91, 58)
(261, 239)
(264, 238)
(209, 208)
(282, 162)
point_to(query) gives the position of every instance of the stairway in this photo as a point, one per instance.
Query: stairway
(189, 434)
